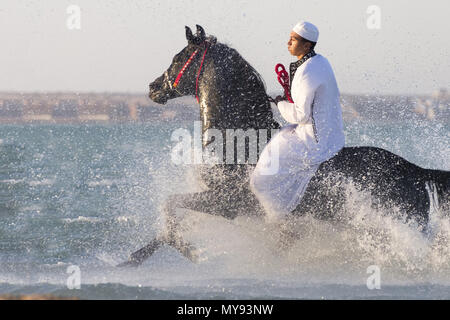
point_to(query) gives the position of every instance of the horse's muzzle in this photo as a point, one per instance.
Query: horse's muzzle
(156, 93)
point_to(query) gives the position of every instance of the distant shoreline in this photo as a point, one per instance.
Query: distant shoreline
(73, 107)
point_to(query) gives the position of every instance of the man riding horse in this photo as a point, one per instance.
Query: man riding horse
(314, 167)
(316, 132)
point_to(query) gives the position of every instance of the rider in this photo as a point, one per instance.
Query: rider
(314, 135)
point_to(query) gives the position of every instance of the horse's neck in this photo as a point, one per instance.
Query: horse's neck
(233, 108)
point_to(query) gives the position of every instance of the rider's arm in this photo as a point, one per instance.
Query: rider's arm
(303, 96)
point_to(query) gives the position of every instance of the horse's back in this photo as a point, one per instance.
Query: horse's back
(390, 180)
(369, 163)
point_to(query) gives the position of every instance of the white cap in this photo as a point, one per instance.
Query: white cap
(307, 31)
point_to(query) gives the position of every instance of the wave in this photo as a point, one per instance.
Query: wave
(338, 251)
(43, 182)
(12, 181)
(102, 183)
(83, 219)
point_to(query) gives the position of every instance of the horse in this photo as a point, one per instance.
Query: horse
(232, 95)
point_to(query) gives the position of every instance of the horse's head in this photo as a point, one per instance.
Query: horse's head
(230, 92)
(163, 89)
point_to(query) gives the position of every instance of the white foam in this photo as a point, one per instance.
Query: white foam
(83, 219)
(324, 252)
(12, 181)
(103, 182)
(43, 182)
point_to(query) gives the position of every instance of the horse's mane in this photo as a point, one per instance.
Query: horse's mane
(243, 71)
(242, 89)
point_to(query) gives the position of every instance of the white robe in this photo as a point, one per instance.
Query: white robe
(316, 134)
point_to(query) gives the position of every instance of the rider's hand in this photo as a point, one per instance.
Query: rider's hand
(277, 99)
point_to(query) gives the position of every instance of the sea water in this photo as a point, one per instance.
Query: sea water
(77, 199)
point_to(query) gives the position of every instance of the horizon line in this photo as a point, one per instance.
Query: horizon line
(136, 93)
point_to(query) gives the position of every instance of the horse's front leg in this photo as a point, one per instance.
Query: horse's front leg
(211, 202)
(172, 233)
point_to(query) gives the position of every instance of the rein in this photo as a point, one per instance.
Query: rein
(283, 79)
(175, 84)
(186, 65)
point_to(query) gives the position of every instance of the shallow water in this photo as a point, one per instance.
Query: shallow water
(88, 195)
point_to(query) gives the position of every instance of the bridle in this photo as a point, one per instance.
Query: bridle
(174, 85)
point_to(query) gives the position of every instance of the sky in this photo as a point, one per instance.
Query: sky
(374, 47)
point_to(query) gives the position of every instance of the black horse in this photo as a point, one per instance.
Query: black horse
(232, 95)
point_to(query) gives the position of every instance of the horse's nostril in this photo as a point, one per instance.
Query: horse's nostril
(152, 88)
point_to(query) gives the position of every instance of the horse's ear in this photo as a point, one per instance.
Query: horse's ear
(189, 35)
(201, 33)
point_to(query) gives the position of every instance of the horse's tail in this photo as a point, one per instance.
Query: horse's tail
(441, 180)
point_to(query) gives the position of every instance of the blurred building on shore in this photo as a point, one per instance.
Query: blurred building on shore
(110, 107)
